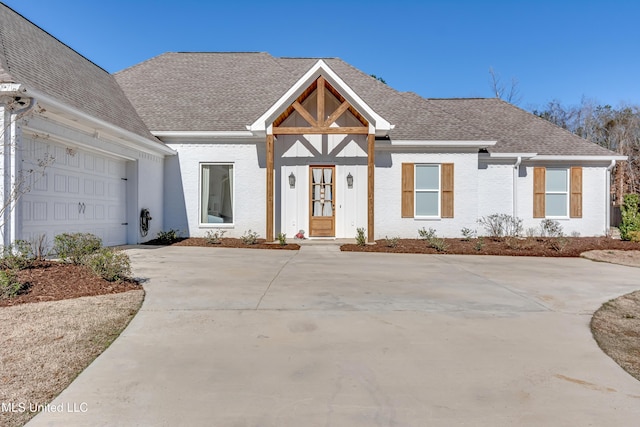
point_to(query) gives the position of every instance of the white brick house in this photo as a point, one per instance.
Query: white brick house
(241, 141)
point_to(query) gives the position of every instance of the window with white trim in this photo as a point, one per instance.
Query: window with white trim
(557, 193)
(216, 193)
(427, 190)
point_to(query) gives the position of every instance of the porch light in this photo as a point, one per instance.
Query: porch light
(292, 180)
(349, 180)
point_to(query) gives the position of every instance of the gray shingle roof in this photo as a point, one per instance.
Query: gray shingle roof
(228, 91)
(516, 130)
(31, 56)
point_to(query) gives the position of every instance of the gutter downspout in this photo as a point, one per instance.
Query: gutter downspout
(516, 173)
(607, 225)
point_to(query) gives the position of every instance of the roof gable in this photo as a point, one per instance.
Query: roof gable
(319, 69)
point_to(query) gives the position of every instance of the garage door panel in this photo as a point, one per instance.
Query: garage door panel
(59, 183)
(88, 162)
(73, 184)
(39, 212)
(39, 182)
(60, 211)
(88, 187)
(73, 211)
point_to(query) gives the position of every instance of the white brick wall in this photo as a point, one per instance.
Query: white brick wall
(594, 203)
(182, 187)
(388, 181)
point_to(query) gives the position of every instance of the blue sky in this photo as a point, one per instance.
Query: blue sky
(563, 50)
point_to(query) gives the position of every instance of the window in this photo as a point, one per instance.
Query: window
(216, 195)
(427, 191)
(557, 192)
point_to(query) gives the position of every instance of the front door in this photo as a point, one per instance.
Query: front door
(322, 221)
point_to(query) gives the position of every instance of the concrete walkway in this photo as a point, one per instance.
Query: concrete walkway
(246, 337)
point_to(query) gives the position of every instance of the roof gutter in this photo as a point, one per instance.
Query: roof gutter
(427, 144)
(203, 135)
(580, 158)
(155, 146)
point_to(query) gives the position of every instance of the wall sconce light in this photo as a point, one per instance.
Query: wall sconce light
(292, 180)
(349, 180)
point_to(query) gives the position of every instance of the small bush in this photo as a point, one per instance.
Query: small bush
(361, 239)
(501, 225)
(479, 243)
(630, 216)
(110, 264)
(634, 236)
(438, 244)
(10, 286)
(282, 239)
(425, 234)
(214, 237)
(250, 237)
(467, 234)
(168, 237)
(575, 234)
(17, 256)
(75, 247)
(550, 228)
(391, 242)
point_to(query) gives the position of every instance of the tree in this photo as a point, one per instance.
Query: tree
(15, 111)
(510, 94)
(380, 79)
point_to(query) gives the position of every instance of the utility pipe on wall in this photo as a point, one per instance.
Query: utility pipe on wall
(607, 189)
(516, 173)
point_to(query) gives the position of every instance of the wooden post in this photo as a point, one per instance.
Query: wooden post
(320, 103)
(371, 141)
(269, 235)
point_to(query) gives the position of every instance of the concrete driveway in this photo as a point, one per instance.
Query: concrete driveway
(321, 338)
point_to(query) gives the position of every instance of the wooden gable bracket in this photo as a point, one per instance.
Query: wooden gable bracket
(320, 125)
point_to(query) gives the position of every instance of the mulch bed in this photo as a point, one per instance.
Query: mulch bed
(530, 246)
(54, 281)
(227, 243)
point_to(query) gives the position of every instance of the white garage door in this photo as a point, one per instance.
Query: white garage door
(81, 191)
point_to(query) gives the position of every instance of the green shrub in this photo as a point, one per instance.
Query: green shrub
(282, 239)
(361, 239)
(214, 237)
(75, 247)
(467, 234)
(17, 256)
(425, 234)
(634, 236)
(110, 264)
(479, 243)
(10, 286)
(250, 237)
(168, 237)
(438, 244)
(630, 216)
(391, 242)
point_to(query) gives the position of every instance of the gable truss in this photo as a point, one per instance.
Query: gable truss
(320, 125)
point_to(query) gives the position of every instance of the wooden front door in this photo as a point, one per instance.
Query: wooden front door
(322, 218)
